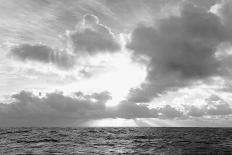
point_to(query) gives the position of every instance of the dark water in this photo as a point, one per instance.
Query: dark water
(116, 141)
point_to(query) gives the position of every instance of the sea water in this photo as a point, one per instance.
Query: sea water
(116, 141)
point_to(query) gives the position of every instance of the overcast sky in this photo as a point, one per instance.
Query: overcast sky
(115, 63)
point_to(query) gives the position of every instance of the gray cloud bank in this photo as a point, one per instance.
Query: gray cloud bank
(182, 49)
(44, 54)
(57, 109)
(89, 37)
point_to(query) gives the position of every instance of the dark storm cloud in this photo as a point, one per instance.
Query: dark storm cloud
(92, 37)
(181, 48)
(44, 54)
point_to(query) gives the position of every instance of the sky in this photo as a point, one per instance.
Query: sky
(159, 63)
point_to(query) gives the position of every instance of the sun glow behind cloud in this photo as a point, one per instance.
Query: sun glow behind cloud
(96, 71)
(119, 76)
(112, 122)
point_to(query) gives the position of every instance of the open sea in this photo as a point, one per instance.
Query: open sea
(160, 141)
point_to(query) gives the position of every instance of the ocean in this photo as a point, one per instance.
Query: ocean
(87, 141)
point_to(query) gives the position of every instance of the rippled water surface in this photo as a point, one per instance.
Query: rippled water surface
(116, 141)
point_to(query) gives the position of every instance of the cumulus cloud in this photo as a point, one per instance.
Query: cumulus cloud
(90, 36)
(170, 112)
(214, 106)
(131, 110)
(217, 106)
(54, 108)
(44, 54)
(181, 50)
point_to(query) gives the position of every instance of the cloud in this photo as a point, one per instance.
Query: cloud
(131, 110)
(55, 108)
(195, 111)
(170, 112)
(181, 50)
(90, 36)
(217, 106)
(214, 106)
(44, 54)
(224, 10)
(52, 107)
